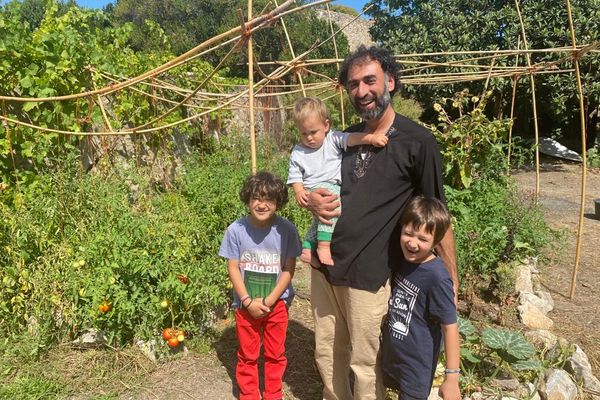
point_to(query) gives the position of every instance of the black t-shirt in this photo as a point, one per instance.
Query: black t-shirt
(376, 185)
(422, 299)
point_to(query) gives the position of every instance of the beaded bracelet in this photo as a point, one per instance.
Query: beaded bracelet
(244, 299)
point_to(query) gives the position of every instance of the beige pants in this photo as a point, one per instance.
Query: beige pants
(347, 327)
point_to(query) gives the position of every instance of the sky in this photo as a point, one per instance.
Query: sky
(356, 4)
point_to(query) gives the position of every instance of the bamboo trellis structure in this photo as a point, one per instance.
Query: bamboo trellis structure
(419, 69)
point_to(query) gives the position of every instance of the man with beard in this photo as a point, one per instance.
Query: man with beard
(349, 299)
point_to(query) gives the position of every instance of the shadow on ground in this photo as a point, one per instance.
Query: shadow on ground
(301, 380)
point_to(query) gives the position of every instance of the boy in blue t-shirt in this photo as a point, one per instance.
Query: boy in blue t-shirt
(421, 308)
(261, 251)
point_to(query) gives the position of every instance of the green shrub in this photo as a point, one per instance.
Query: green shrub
(71, 243)
(493, 225)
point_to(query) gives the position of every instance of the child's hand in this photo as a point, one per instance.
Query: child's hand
(379, 140)
(257, 309)
(449, 389)
(301, 198)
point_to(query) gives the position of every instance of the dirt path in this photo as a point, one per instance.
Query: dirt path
(576, 320)
(209, 375)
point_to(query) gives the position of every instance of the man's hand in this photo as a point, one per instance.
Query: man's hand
(323, 204)
(301, 198)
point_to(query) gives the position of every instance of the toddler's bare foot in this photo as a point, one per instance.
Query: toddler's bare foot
(306, 256)
(324, 253)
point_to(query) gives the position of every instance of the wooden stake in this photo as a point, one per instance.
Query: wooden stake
(287, 36)
(583, 153)
(337, 64)
(251, 93)
(534, 105)
(515, 82)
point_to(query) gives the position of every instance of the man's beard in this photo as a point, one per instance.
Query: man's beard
(381, 104)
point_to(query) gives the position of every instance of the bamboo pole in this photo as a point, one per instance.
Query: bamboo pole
(337, 64)
(583, 155)
(533, 103)
(287, 36)
(515, 82)
(251, 94)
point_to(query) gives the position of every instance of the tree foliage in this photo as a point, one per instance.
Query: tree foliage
(457, 25)
(186, 24)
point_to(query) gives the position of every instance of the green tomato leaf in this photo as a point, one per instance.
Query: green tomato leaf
(26, 82)
(30, 105)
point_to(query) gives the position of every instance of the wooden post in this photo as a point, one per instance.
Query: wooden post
(337, 64)
(515, 82)
(287, 36)
(583, 153)
(251, 92)
(533, 103)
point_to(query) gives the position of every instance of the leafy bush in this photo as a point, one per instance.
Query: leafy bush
(73, 243)
(471, 144)
(494, 225)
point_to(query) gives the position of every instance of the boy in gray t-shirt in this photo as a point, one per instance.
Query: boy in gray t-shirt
(315, 163)
(261, 251)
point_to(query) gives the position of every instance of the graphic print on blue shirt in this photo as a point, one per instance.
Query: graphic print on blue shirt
(401, 306)
(260, 270)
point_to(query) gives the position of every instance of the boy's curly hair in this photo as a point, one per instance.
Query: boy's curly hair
(364, 54)
(264, 185)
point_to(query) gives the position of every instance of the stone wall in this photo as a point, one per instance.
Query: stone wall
(357, 31)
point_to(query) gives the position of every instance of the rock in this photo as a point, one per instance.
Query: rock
(90, 339)
(148, 348)
(543, 305)
(546, 297)
(523, 279)
(560, 349)
(527, 391)
(533, 318)
(579, 365)
(559, 386)
(433, 394)
(542, 338)
(506, 384)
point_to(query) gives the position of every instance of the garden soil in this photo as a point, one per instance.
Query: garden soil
(209, 374)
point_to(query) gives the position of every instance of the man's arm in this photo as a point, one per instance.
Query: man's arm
(447, 252)
(322, 203)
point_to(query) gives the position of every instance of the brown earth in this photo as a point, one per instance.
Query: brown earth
(209, 374)
(577, 319)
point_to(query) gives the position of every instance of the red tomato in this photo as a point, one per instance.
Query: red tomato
(167, 333)
(104, 307)
(173, 342)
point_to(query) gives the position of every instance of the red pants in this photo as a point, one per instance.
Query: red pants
(248, 329)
